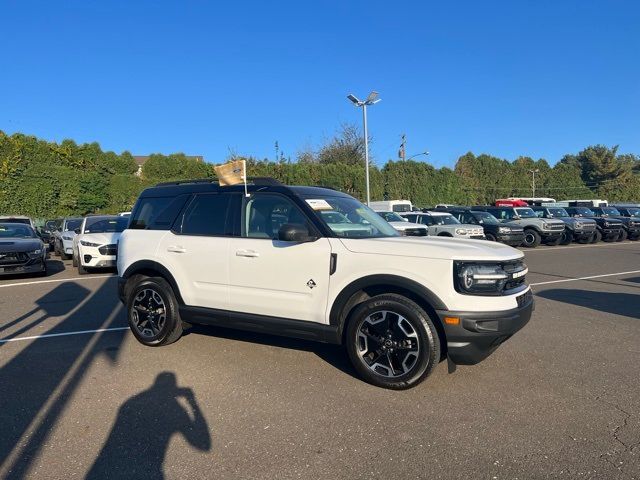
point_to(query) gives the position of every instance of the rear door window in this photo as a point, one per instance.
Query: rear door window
(208, 214)
(157, 213)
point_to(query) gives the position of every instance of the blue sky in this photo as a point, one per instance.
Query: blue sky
(539, 78)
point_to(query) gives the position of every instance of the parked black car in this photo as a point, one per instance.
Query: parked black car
(608, 229)
(21, 250)
(581, 230)
(494, 230)
(630, 226)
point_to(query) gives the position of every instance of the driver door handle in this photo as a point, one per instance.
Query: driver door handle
(176, 249)
(247, 253)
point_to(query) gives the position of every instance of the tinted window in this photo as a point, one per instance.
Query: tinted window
(16, 230)
(105, 224)
(402, 207)
(72, 224)
(207, 215)
(157, 213)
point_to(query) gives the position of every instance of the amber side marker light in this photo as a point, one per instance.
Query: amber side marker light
(452, 320)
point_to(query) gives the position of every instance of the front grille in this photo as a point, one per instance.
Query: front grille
(554, 226)
(588, 226)
(13, 258)
(524, 298)
(108, 249)
(415, 232)
(514, 268)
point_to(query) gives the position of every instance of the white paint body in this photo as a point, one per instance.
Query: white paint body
(292, 280)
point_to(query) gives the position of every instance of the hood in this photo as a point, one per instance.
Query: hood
(553, 221)
(516, 227)
(433, 247)
(405, 225)
(20, 244)
(110, 238)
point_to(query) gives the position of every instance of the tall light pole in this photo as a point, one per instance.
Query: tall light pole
(533, 181)
(372, 99)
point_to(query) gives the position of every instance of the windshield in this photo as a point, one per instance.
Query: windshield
(558, 212)
(485, 218)
(391, 216)
(16, 230)
(72, 223)
(584, 212)
(610, 211)
(526, 212)
(634, 212)
(105, 224)
(347, 217)
(445, 220)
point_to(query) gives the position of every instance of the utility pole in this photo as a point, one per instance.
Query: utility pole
(403, 144)
(533, 181)
(277, 150)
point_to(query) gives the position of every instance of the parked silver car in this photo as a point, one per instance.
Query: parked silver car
(444, 224)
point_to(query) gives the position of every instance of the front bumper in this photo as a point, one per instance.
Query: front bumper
(633, 232)
(547, 235)
(35, 265)
(479, 334)
(608, 233)
(511, 239)
(583, 234)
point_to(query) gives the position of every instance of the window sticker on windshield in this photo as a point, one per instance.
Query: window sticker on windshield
(319, 204)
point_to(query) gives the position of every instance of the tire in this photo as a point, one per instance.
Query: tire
(597, 237)
(148, 292)
(44, 272)
(612, 239)
(555, 242)
(401, 315)
(531, 238)
(81, 269)
(623, 236)
(64, 256)
(567, 238)
(445, 235)
(74, 261)
(491, 237)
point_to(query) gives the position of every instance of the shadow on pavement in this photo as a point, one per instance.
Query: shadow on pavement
(38, 381)
(625, 304)
(632, 279)
(143, 429)
(334, 355)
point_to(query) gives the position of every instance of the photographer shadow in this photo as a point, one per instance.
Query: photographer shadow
(140, 436)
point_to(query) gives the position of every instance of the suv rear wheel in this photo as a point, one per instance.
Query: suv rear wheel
(152, 312)
(531, 238)
(392, 342)
(623, 235)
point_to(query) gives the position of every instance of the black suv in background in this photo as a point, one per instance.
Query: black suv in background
(608, 229)
(630, 226)
(581, 230)
(494, 231)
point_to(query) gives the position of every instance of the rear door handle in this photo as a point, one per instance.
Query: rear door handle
(247, 253)
(176, 249)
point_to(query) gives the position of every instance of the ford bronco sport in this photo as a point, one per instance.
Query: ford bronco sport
(272, 262)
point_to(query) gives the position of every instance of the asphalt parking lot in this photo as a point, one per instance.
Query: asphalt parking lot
(561, 399)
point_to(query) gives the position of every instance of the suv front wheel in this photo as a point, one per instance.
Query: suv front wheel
(531, 238)
(152, 312)
(392, 342)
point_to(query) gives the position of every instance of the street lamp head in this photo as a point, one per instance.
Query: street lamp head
(372, 98)
(354, 99)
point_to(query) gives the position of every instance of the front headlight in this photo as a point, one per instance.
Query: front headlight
(488, 278)
(607, 224)
(546, 226)
(35, 253)
(461, 231)
(89, 244)
(504, 230)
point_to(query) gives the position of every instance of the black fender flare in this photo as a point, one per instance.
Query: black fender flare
(147, 267)
(341, 306)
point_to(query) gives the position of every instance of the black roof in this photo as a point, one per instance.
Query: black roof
(262, 184)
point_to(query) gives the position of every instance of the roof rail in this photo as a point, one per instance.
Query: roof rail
(250, 180)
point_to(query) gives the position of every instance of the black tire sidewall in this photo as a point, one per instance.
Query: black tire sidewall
(163, 289)
(428, 356)
(491, 237)
(536, 238)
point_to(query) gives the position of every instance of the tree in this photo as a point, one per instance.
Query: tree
(345, 148)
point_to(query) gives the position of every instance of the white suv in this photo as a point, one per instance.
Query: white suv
(273, 262)
(96, 244)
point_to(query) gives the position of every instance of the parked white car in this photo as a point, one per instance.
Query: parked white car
(391, 206)
(442, 224)
(404, 226)
(96, 245)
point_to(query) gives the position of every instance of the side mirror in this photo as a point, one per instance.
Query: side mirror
(77, 230)
(405, 219)
(294, 232)
(517, 217)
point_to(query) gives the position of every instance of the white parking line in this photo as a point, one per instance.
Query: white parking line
(555, 249)
(57, 280)
(564, 280)
(64, 334)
